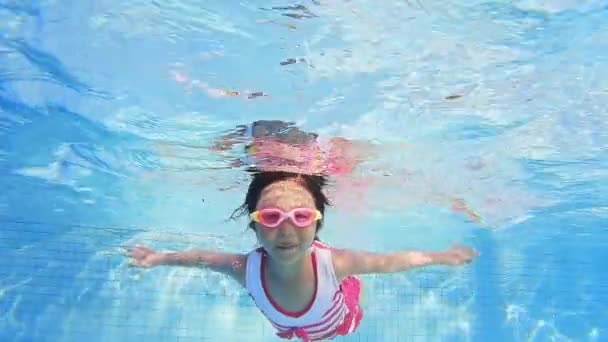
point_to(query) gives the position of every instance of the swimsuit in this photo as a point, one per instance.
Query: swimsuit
(334, 309)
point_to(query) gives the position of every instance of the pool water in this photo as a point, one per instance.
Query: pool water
(493, 116)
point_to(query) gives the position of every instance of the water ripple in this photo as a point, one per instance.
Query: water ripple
(499, 108)
(51, 67)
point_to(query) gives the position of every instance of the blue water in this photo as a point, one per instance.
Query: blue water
(106, 109)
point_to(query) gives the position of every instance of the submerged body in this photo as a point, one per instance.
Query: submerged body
(304, 287)
(333, 308)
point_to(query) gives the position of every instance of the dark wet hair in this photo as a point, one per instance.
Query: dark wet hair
(312, 183)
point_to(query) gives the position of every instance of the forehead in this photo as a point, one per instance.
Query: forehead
(285, 195)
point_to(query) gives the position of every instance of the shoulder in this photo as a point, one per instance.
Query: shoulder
(240, 262)
(339, 258)
(237, 267)
(349, 262)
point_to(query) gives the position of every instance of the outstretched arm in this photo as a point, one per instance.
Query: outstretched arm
(230, 264)
(350, 262)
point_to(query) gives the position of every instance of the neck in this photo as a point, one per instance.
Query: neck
(289, 272)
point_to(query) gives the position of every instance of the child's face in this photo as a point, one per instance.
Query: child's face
(287, 242)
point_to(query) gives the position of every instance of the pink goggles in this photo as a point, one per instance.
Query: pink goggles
(273, 217)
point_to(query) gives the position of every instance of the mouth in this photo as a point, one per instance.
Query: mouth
(287, 246)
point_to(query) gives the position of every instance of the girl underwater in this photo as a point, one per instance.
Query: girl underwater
(304, 287)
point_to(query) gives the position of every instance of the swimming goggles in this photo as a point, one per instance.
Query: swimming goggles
(273, 217)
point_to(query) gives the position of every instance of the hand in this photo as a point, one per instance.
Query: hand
(142, 256)
(457, 255)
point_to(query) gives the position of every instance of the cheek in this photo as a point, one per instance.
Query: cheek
(309, 231)
(264, 234)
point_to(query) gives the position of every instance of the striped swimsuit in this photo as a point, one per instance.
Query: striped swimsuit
(333, 311)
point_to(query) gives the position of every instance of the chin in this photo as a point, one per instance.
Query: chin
(288, 256)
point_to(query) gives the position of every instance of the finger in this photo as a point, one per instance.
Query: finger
(131, 249)
(141, 252)
(142, 247)
(137, 253)
(146, 249)
(137, 263)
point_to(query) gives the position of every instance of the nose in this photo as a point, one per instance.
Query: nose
(286, 229)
